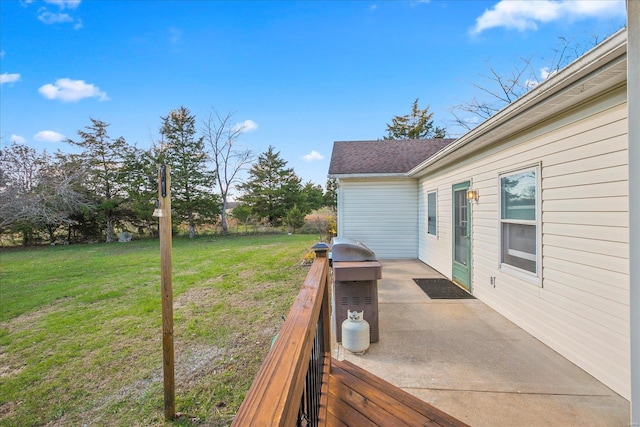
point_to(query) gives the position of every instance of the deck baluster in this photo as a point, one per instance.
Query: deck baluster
(310, 404)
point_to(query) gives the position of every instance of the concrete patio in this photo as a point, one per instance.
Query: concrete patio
(469, 361)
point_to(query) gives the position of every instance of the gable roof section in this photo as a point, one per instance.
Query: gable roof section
(382, 157)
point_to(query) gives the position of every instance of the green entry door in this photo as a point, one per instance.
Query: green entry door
(461, 235)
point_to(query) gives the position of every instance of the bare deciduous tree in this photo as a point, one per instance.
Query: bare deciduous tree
(19, 169)
(228, 158)
(499, 89)
(36, 192)
(58, 195)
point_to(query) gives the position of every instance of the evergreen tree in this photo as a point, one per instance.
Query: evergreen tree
(416, 125)
(294, 218)
(193, 201)
(330, 197)
(83, 224)
(103, 157)
(140, 180)
(271, 188)
(312, 197)
(242, 214)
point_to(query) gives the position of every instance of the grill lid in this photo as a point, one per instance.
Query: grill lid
(346, 249)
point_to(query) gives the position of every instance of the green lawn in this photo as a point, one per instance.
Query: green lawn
(80, 328)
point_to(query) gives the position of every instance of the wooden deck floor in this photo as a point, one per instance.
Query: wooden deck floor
(359, 398)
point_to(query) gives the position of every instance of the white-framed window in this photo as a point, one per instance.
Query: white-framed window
(432, 225)
(520, 221)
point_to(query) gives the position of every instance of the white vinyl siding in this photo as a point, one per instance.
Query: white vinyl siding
(382, 214)
(581, 306)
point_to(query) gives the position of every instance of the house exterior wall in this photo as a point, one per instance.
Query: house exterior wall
(580, 305)
(381, 213)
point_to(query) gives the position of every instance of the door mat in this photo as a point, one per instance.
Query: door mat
(442, 289)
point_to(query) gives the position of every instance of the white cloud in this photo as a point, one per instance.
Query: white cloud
(65, 4)
(51, 18)
(525, 15)
(312, 156)
(67, 90)
(48, 136)
(546, 74)
(246, 126)
(9, 78)
(17, 139)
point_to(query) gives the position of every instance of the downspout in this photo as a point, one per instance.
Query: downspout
(633, 105)
(339, 208)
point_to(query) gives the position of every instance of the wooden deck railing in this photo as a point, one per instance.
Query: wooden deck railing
(291, 387)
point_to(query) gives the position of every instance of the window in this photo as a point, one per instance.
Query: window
(519, 220)
(431, 213)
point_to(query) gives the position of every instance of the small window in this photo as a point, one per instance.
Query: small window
(519, 220)
(431, 213)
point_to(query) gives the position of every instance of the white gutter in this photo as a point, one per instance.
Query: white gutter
(589, 63)
(368, 175)
(633, 102)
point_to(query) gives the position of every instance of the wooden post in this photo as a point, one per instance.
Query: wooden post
(163, 212)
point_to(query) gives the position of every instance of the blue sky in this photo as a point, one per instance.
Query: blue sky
(299, 75)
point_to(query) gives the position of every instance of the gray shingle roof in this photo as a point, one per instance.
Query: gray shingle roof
(383, 156)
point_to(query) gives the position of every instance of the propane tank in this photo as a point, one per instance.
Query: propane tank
(355, 332)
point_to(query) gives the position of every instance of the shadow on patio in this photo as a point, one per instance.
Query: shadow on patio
(469, 361)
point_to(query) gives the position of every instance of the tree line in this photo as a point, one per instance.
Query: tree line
(111, 185)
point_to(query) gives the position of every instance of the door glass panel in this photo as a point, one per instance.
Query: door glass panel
(461, 237)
